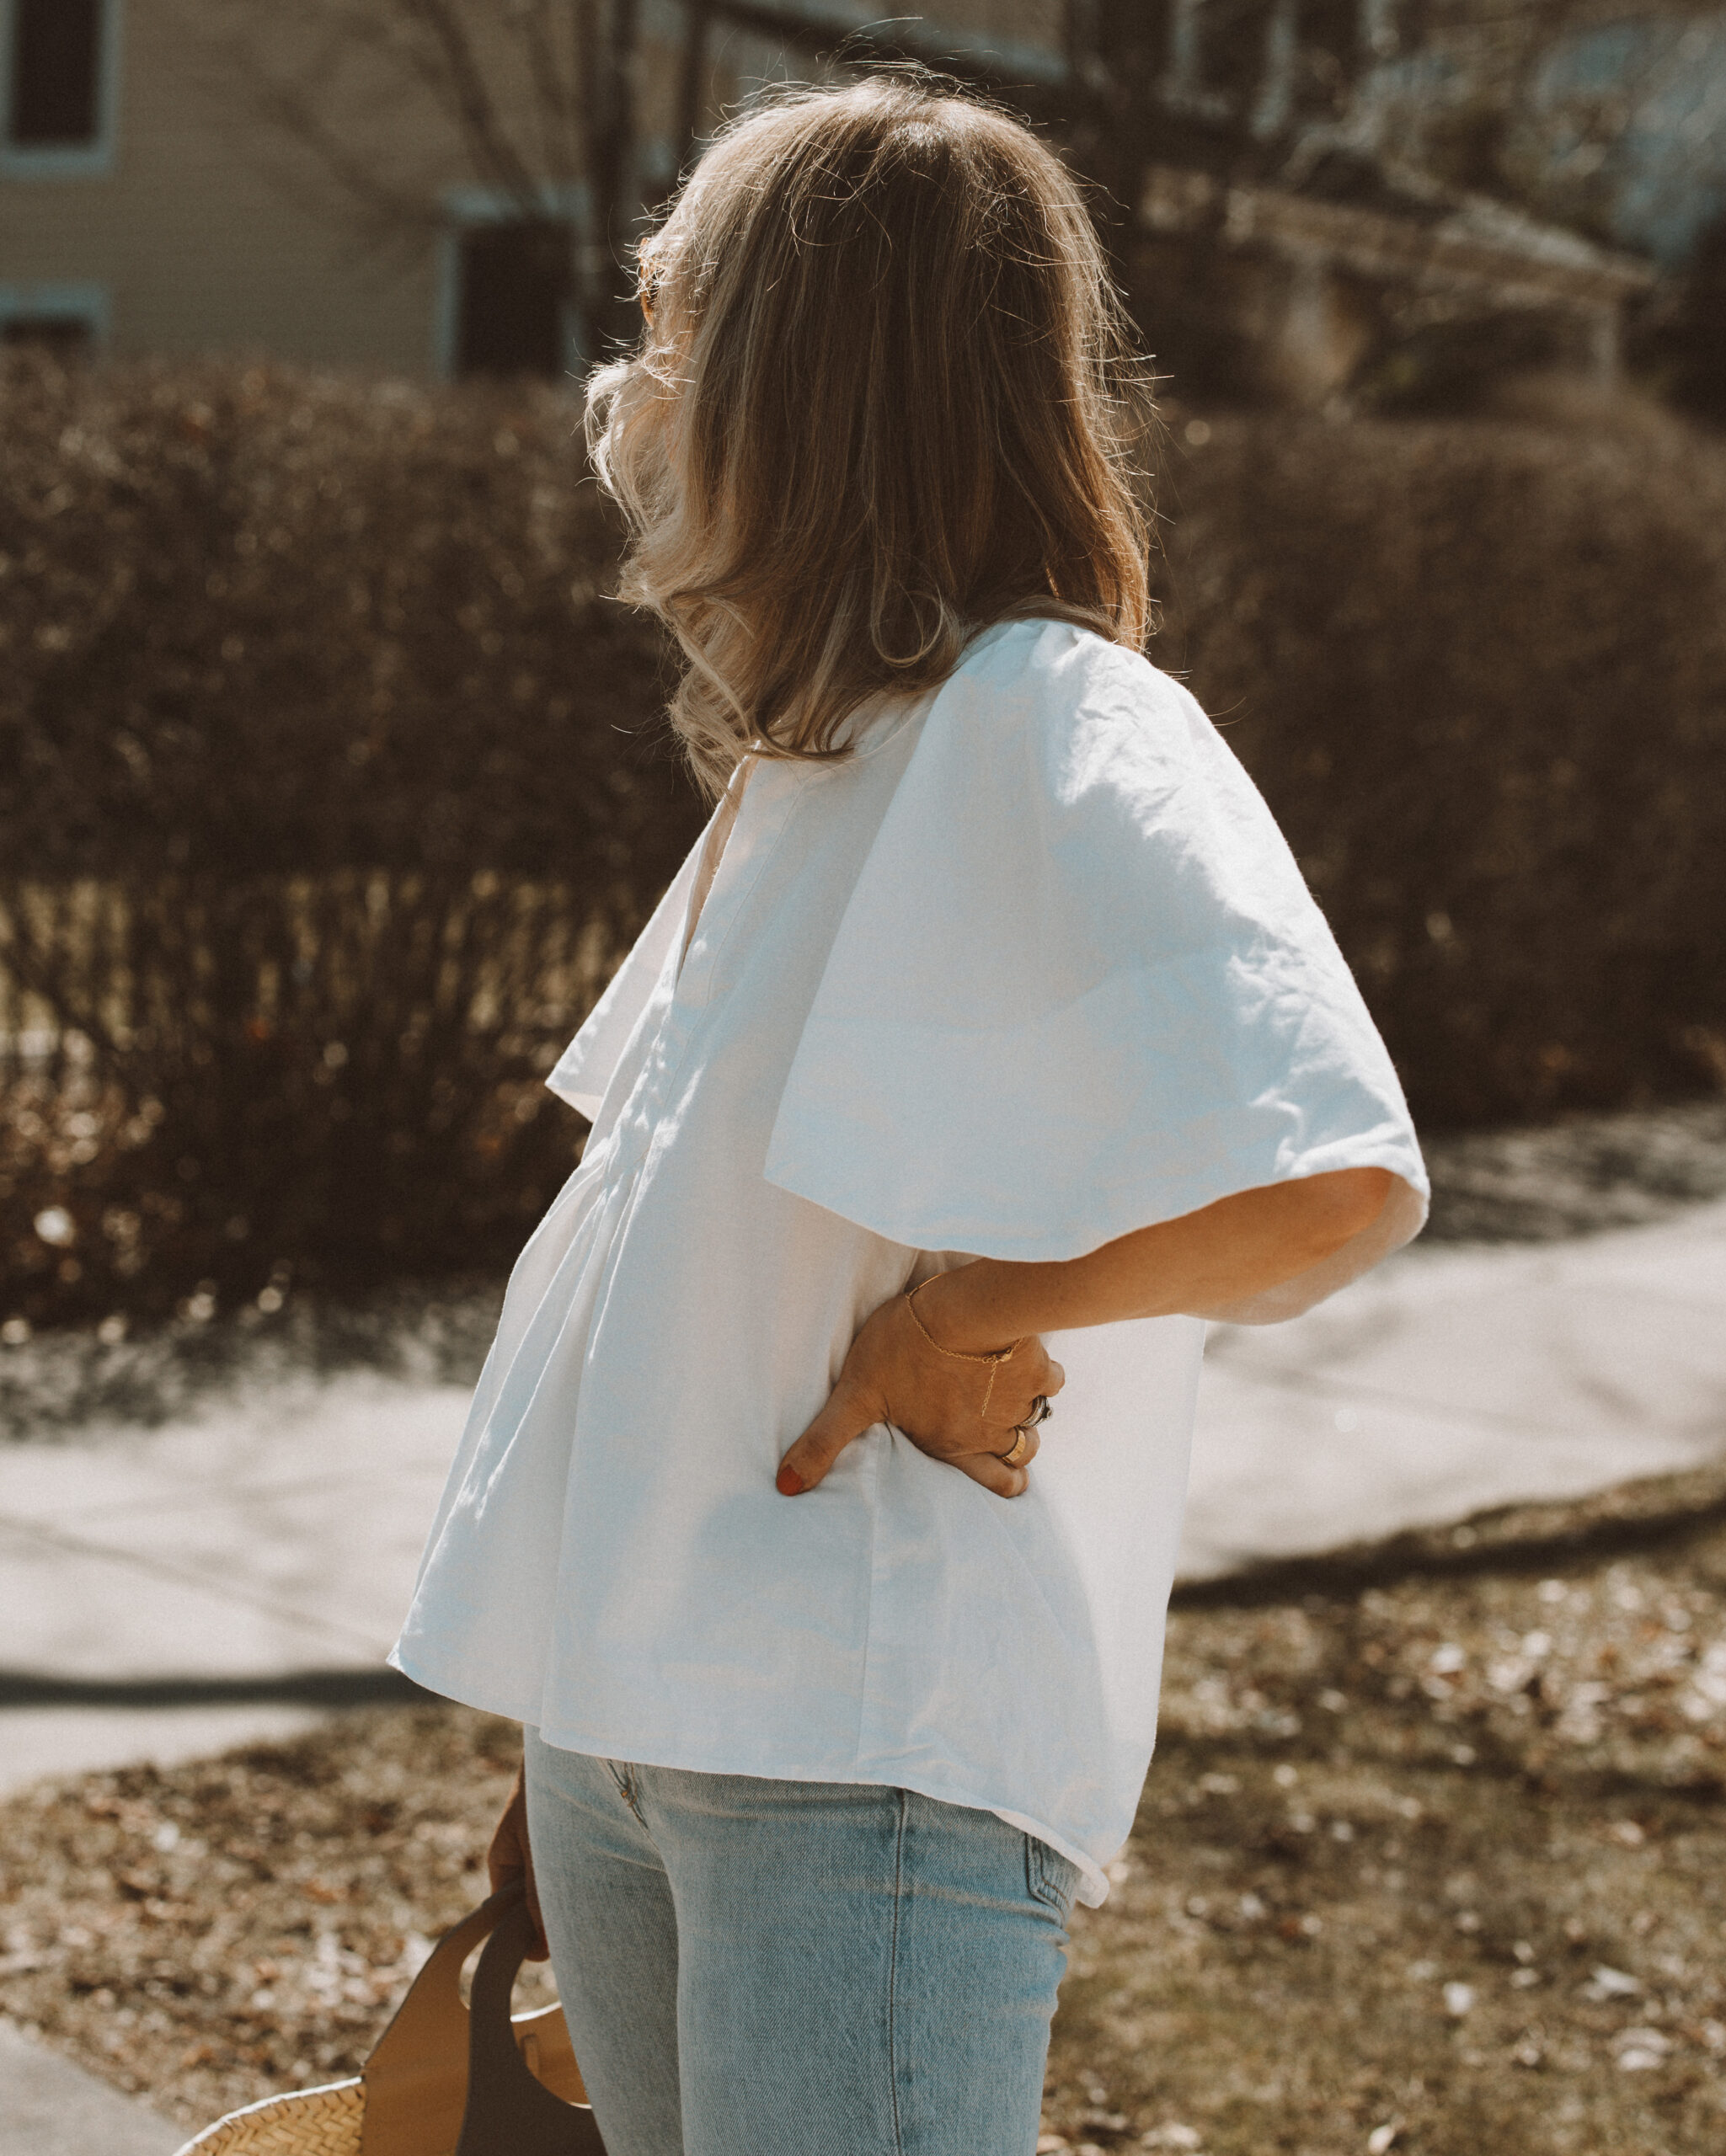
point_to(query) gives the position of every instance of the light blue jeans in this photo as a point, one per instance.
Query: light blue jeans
(766, 1968)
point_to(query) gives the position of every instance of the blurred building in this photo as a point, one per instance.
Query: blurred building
(1314, 180)
(163, 190)
(1316, 296)
(181, 176)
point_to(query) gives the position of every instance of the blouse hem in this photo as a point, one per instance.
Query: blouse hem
(1093, 1880)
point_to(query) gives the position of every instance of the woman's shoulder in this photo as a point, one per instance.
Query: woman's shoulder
(1068, 692)
(1046, 663)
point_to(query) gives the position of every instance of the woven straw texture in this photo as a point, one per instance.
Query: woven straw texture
(310, 2122)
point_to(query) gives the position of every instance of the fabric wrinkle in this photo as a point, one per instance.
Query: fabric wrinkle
(1031, 970)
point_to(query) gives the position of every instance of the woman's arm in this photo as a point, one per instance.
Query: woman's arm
(1202, 1263)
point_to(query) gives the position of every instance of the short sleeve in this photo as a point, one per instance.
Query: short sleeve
(584, 1070)
(1080, 986)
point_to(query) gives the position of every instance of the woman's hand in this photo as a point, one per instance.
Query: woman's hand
(509, 1858)
(1207, 1263)
(948, 1406)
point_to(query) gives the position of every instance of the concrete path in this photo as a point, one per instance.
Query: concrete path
(1455, 1379)
(165, 1594)
(50, 2107)
(157, 1587)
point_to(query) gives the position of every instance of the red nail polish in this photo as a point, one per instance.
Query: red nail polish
(789, 1482)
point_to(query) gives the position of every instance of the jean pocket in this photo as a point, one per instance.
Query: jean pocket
(1052, 1878)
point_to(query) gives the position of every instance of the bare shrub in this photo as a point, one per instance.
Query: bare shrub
(330, 791)
(1480, 672)
(331, 783)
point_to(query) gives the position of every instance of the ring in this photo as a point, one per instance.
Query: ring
(1015, 1451)
(1045, 1408)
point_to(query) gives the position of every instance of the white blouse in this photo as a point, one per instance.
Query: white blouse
(1031, 968)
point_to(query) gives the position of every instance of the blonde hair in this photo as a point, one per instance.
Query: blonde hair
(886, 395)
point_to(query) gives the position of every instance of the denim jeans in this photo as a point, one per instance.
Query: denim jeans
(765, 1969)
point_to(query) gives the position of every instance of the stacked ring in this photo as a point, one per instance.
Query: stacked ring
(1041, 1410)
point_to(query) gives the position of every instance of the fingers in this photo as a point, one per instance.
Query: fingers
(1047, 1381)
(538, 1947)
(843, 1420)
(510, 1857)
(502, 1875)
(507, 1857)
(1020, 1411)
(1032, 1446)
(993, 1472)
(934, 1400)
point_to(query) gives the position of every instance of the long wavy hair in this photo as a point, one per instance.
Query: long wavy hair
(886, 395)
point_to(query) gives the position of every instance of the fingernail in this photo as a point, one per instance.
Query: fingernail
(789, 1482)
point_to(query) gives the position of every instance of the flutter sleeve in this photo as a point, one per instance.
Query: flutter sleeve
(1080, 986)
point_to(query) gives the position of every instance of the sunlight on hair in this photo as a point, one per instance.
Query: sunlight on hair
(886, 395)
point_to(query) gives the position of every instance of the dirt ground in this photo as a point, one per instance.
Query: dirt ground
(1437, 1865)
(1432, 1858)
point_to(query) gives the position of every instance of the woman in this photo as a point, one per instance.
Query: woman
(990, 1007)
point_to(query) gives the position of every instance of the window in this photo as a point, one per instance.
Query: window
(65, 336)
(512, 300)
(56, 67)
(69, 321)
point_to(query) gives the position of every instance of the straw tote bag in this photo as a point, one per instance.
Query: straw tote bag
(442, 2080)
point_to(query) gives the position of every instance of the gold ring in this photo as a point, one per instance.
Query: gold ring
(1015, 1451)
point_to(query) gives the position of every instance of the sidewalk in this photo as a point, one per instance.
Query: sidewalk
(50, 2107)
(166, 1593)
(1459, 1378)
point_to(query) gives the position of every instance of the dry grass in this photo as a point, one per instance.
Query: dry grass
(1430, 1860)
(1441, 1864)
(246, 1924)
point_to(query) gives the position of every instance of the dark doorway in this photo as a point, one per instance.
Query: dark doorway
(56, 101)
(513, 299)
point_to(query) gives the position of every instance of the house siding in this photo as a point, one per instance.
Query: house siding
(205, 232)
(196, 241)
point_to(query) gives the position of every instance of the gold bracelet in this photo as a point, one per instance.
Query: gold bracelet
(998, 1356)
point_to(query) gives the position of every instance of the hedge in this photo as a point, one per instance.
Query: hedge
(1479, 670)
(331, 780)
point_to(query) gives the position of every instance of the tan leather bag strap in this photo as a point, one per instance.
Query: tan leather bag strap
(419, 2089)
(508, 2113)
(417, 2074)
